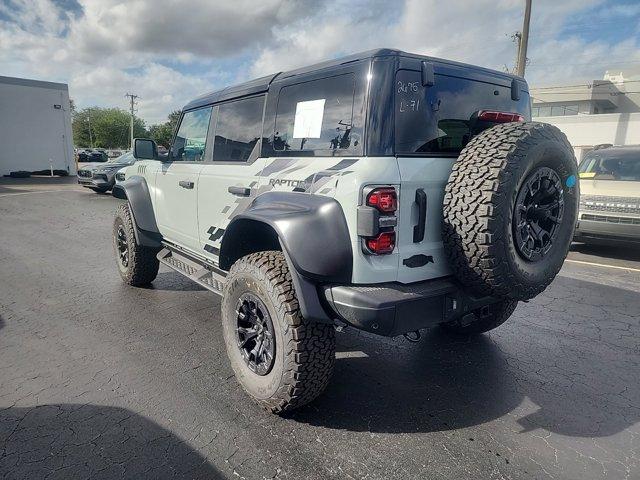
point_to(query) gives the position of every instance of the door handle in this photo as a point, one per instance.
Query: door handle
(240, 191)
(418, 230)
(186, 184)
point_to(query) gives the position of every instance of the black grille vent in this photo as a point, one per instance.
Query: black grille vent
(608, 219)
(601, 203)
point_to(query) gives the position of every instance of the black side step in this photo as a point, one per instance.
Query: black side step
(207, 276)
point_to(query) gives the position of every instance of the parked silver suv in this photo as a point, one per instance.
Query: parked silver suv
(100, 177)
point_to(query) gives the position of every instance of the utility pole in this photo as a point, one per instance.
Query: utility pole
(517, 39)
(90, 136)
(523, 40)
(132, 98)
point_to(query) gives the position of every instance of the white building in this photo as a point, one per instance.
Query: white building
(35, 126)
(602, 112)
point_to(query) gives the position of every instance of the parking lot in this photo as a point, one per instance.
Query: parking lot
(101, 380)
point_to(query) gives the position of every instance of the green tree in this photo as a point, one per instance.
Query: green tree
(105, 128)
(162, 133)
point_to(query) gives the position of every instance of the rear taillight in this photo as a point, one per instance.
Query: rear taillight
(499, 117)
(384, 199)
(377, 222)
(384, 243)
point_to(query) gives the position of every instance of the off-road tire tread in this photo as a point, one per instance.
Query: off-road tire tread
(309, 349)
(474, 204)
(481, 325)
(143, 261)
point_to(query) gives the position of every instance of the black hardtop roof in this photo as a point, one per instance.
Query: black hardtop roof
(261, 84)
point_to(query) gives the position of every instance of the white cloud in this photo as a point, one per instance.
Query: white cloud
(169, 51)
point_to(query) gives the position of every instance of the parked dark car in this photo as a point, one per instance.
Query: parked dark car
(97, 156)
(83, 156)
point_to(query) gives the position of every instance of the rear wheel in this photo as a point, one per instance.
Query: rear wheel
(281, 359)
(138, 265)
(510, 209)
(482, 320)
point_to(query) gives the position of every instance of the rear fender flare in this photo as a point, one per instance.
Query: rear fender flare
(311, 229)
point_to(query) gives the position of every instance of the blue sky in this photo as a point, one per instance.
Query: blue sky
(168, 51)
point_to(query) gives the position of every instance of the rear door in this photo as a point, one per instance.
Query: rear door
(177, 180)
(229, 182)
(432, 125)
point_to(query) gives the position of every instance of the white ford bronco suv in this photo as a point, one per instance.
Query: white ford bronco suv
(385, 191)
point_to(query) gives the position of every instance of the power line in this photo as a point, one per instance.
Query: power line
(587, 63)
(613, 94)
(589, 85)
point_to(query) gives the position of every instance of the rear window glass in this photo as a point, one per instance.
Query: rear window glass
(315, 115)
(620, 165)
(443, 118)
(238, 129)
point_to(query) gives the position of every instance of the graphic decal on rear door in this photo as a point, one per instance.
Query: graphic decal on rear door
(317, 182)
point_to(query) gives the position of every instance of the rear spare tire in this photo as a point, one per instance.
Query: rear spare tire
(510, 209)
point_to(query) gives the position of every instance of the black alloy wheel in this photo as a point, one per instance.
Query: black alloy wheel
(537, 214)
(122, 247)
(255, 334)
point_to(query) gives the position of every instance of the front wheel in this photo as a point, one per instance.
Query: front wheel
(282, 360)
(482, 320)
(137, 264)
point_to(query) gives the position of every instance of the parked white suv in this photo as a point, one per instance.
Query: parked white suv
(385, 191)
(610, 197)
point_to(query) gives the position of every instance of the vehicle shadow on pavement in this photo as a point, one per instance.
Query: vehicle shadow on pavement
(560, 373)
(173, 281)
(610, 251)
(82, 441)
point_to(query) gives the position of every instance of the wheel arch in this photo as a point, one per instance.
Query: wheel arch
(244, 236)
(310, 229)
(312, 233)
(136, 191)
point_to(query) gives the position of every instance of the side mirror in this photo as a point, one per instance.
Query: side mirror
(145, 149)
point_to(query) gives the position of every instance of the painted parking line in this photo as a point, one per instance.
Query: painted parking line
(604, 265)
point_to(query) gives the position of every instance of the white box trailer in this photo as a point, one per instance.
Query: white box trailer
(35, 127)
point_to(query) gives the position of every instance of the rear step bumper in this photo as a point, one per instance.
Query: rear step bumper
(392, 309)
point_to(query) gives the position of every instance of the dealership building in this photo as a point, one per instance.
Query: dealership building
(35, 127)
(603, 111)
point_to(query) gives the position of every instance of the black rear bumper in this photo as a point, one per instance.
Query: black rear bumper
(392, 309)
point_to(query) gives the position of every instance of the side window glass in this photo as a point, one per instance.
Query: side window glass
(316, 115)
(238, 129)
(191, 139)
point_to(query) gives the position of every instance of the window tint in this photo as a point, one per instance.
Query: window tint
(238, 129)
(190, 142)
(316, 115)
(443, 118)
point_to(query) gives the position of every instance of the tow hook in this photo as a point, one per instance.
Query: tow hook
(413, 337)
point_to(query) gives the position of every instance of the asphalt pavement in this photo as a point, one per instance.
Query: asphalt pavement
(101, 380)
